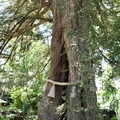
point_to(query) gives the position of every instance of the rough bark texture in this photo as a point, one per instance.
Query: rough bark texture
(69, 62)
(80, 66)
(59, 65)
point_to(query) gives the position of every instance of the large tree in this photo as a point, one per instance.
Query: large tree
(81, 31)
(70, 63)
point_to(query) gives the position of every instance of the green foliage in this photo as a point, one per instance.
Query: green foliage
(114, 118)
(16, 96)
(109, 94)
(104, 44)
(26, 72)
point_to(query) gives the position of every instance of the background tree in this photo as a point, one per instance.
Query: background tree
(23, 79)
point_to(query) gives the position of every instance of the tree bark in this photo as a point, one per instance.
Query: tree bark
(59, 65)
(70, 63)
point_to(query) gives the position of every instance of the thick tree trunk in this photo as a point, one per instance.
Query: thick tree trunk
(80, 66)
(70, 63)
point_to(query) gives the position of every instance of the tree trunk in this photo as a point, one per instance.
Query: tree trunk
(80, 66)
(70, 63)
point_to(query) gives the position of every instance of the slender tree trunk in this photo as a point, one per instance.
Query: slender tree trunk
(59, 65)
(70, 63)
